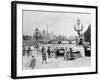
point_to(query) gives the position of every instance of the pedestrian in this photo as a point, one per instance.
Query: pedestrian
(33, 62)
(56, 52)
(44, 58)
(28, 50)
(66, 54)
(48, 51)
(24, 50)
(71, 53)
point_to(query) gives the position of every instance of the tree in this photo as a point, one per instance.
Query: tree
(26, 37)
(87, 34)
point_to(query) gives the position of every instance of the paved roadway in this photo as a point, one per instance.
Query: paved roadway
(56, 63)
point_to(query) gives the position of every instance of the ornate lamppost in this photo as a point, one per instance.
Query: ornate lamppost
(78, 29)
(36, 36)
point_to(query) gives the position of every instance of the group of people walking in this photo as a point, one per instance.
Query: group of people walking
(26, 51)
(46, 54)
(68, 54)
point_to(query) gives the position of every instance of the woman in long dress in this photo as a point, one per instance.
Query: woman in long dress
(33, 62)
(28, 51)
(44, 57)
(65, 54)
(71, 54)
(48, 51)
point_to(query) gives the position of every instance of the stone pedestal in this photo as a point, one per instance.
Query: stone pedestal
(81, 49)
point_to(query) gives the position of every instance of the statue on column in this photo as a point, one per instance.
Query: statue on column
(78, 28)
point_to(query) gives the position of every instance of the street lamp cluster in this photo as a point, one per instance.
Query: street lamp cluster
(36, 35)
(79, 29)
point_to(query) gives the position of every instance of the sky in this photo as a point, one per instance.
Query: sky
(58, 22)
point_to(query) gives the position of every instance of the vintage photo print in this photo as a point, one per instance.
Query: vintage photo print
(53, 39)
(56, 39)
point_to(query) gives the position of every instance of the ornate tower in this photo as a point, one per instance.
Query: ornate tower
(43, 34)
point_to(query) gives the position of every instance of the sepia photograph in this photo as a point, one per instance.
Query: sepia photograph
(53, 39)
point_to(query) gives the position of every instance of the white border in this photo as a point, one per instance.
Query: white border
(21, 72)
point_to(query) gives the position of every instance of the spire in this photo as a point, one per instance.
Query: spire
(47, 28)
